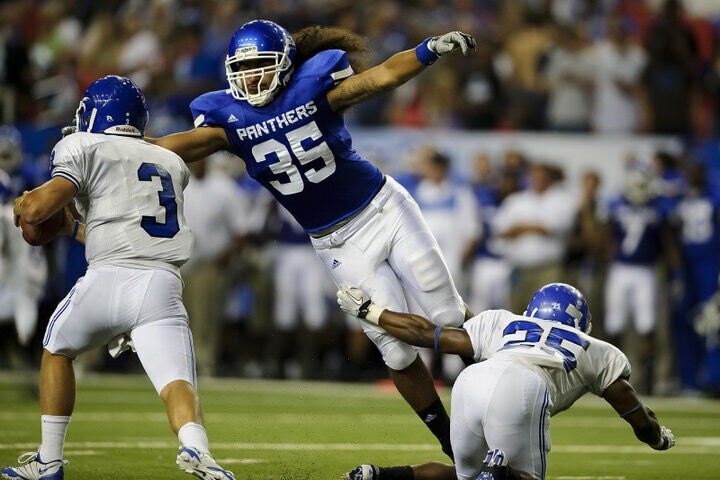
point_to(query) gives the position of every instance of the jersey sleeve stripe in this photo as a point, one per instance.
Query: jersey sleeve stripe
(199, 120)
(342, 74)
(67, 176)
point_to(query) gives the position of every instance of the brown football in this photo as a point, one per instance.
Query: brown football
(44, 232)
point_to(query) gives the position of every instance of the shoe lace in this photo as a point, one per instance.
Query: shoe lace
(30, 457)
(27, 457)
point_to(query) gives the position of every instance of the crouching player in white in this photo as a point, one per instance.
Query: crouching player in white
(131, 196)
(535, 365)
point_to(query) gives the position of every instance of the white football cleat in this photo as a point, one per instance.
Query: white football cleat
(33, 468)
(362, 472)
(202, 465)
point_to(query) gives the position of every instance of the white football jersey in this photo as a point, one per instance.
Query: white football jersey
(571, 362)
(130, 194)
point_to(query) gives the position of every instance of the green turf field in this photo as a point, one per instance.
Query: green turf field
(291, 430)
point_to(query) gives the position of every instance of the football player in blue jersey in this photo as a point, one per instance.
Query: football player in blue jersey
(283, 116)
(697, 218)
(638, 224)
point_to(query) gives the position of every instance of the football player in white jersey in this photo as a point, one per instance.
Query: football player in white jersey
(531, 367)
(130, 194)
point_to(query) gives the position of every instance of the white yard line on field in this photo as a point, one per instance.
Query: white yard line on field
(587, 478)
(573, 422)
(429, 447)
(230, 461)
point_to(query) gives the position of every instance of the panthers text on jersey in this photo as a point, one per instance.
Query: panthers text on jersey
(571, 362)
(130, 194)
(297, 146)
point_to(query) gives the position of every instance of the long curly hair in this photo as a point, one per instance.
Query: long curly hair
(311, 40)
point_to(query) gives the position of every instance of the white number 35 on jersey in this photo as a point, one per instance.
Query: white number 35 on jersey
(285, 165)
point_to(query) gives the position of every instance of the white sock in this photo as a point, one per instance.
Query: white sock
(54, 429)
(194, 435)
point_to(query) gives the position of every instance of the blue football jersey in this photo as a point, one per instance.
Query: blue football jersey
(698, 219)
(488, 199)
(297, 146)
(637, 230)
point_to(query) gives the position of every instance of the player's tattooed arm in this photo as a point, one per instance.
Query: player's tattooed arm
(371, 83)
(195, 144)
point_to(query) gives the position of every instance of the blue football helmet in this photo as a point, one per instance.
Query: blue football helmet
(112, 105)
(259, 48)
(560, 302)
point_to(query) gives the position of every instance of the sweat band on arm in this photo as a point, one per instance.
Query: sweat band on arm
(436, 343)
(424, 54)
(373, 314)
(75, 229)
(632, 410)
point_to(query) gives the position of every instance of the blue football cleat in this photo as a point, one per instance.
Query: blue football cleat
(202, 465)
(33, 468)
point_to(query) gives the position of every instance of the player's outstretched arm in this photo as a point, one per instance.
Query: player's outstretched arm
(409, 328)
(195, 144)
(397, 70)
(621, 395)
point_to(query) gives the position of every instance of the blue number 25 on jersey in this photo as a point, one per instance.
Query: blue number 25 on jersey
(553, 341)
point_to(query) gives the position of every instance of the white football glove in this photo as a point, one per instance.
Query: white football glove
(69, 130)
(357, 303)
(444, 44)
(667, 440)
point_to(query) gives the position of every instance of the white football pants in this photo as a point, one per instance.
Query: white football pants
(490, 284)
(631, 290)
(500, 404)
(389, 252)
(299, 288)
(146, 304)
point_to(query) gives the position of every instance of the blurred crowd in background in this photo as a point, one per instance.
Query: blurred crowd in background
(260, 303)
(569, 65)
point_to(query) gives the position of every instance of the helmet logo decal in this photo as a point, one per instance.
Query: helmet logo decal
(556, 306)
(245, 50)
(109, 118)
(575, 313)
